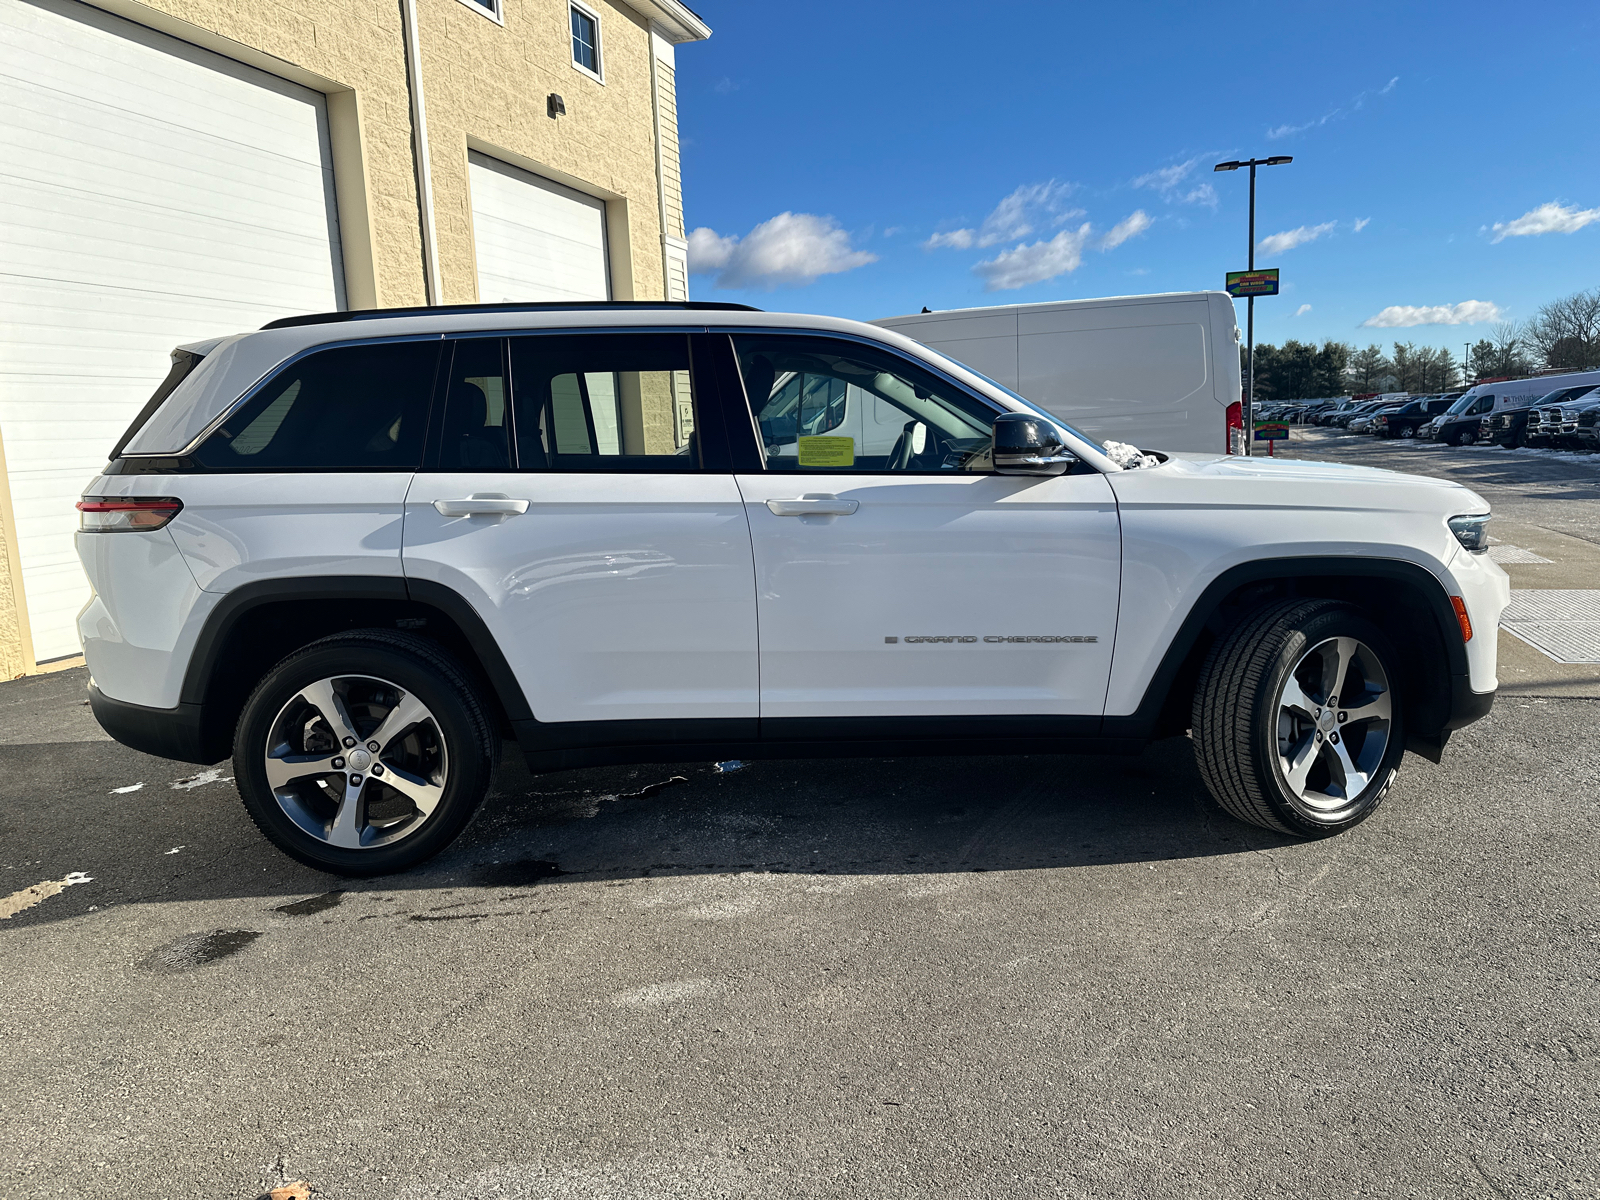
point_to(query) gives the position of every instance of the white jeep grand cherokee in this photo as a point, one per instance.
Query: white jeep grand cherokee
(358, 550)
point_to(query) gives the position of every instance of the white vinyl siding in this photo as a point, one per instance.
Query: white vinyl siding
(667, 133)
(535, 239)
(151, 194)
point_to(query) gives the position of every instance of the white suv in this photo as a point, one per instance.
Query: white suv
(358, 550)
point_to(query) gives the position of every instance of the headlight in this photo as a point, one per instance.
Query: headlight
(1472, 532)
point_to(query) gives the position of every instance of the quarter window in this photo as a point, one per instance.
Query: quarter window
(348, 408)
(826, 405)
(604, 402)
(585, 40)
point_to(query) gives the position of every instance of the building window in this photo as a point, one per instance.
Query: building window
(489, 8)
(586, 40)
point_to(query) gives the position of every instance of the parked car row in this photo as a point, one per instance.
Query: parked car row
(1504, 413)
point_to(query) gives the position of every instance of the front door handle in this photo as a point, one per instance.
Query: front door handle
(813, 506)
(482, 504)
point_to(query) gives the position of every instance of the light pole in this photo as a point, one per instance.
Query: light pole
(1250, 302)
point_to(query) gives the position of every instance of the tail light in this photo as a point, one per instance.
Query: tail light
(1235, 428)
(126, 514)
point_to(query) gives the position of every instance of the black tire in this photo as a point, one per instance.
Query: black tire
(458, 738)
(1239, 728)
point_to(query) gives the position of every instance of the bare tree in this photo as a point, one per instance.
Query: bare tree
(1565, 333)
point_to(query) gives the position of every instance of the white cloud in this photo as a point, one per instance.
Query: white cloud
(1133, 225)
(1283, 131)
(1357, 102)
(1013, 217)
(1547, 218)
(1403, 316)
(1361, 223)
(1277, 243)
(791, 248)
(1167, 183)
(1034, 263)
(1302, 310)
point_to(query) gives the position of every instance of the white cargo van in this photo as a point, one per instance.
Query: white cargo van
(1160, 372)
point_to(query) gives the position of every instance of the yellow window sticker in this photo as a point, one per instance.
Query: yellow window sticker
(827, 452)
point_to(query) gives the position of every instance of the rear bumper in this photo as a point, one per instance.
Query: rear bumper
(164, 732)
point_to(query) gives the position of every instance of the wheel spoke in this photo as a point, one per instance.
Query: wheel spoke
(330, 704)
(350, 822)
(1335, 671)
(1295, 699)
(410, 711)
(284, 769)
(1352, 777)
(1371, 707)
(424, 794)
(1304, 757)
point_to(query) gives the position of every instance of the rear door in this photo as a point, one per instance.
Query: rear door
(578, 502)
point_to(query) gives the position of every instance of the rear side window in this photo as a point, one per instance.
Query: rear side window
(349, 408)
(604, 402)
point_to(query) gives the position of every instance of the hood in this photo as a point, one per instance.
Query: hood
(1289, 470)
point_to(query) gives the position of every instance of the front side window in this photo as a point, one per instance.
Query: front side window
(348, 408)
(827, 405)
(604, 402)
(585, 40)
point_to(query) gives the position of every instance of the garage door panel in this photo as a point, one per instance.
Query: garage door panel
(151, 194)
(101, 72)
(535, 239)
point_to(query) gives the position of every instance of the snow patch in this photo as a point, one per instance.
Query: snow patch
(1129, 458)
(209, 775)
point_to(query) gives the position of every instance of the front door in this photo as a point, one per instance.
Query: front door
(896, 574)
(571, 505)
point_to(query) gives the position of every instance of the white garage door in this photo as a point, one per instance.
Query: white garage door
(151, 193)
(536, 239)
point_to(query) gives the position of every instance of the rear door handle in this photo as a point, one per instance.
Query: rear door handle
(813, 506)
(482, 504)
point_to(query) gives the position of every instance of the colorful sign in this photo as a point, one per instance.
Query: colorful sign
(1253, 283)
(1271, 431)
(827, 452)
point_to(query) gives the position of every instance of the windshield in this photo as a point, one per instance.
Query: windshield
(1032, 407)
(1460, 405)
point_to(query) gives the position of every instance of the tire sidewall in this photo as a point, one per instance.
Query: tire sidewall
(469, 766)
(1334, 622)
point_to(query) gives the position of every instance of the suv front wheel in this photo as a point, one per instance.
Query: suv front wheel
(363, 753)
(1297, 718)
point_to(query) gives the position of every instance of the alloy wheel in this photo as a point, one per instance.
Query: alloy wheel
(1334, 724)
(356, 762)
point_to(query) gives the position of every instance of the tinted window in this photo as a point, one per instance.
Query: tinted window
(350, 408)
(826, 405)
(604, 402)
(477, 422)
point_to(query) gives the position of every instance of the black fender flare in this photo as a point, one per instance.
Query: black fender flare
(1143, 720)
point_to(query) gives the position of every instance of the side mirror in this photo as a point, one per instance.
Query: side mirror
(1028, 445)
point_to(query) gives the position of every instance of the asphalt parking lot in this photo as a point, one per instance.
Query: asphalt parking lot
(1036, 977)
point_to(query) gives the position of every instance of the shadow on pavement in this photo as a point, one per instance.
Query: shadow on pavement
(163, 843)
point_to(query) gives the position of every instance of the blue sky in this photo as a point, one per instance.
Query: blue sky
(956, 155)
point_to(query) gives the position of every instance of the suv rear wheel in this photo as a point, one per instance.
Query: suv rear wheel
(364, 753)
(1297, 719)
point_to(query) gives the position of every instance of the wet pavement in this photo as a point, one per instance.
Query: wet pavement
(907, 978)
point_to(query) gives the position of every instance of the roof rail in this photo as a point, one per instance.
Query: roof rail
(379, 314)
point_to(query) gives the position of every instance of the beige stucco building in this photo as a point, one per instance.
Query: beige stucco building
(179, 169)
